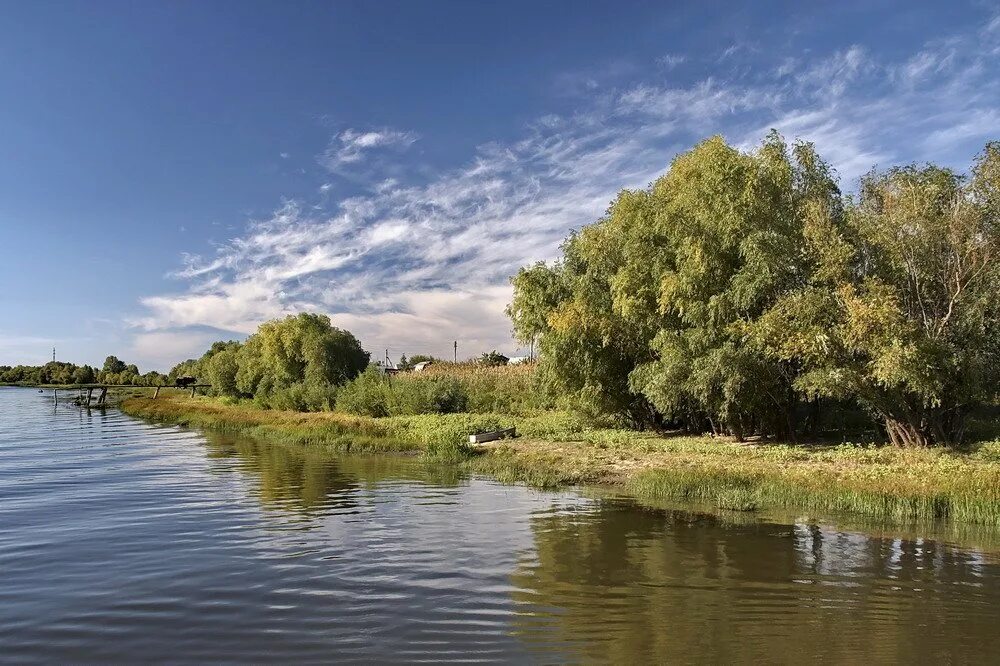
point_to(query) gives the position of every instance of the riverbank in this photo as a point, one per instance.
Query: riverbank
(556, 449)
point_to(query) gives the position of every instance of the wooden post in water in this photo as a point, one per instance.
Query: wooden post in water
(156, 392)
(103, 396)
(90, 393)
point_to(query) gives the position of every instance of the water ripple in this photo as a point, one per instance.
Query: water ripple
(122, 541)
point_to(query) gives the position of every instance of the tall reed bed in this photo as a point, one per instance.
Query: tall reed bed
(446, 388)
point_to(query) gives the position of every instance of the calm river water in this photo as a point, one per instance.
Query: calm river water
(122, 541)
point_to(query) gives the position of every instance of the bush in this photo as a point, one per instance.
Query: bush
(446, 388)
(426, 395)
(511, 389)
(300, 397)
(366, 395)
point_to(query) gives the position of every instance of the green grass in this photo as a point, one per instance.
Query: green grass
(877, 482)
(557, 449)
(941, 488)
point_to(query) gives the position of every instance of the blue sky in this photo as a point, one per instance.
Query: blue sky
(176, 173)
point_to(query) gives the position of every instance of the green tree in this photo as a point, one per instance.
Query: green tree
(303, 348)
(587, 349)
(733, 223)
(188, 368)
(421, 358)
(368, 394)
(221, 369)
(649, 312)
(153, 378)
(57, 372)
(903, 313)
(538, 291)
(493, 359)
(113, 364)
(84, 374)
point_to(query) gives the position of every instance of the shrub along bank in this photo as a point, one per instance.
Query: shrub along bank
(557, 448)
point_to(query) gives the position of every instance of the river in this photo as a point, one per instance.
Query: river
(122, 541)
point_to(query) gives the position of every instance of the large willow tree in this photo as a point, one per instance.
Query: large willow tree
(903, 311)
(741, 283)
(650, 311)
(291, 363)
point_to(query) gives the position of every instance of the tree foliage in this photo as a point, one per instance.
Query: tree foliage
(741, 286)
(291, 363)
(113, 364)
(492, 359)
(902, 313)
(114, 371)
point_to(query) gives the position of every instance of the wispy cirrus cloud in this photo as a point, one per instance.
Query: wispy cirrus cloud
(419, 261)
(671, 60)
(351, 146)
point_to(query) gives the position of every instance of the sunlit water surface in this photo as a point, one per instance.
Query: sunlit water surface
(123, 541)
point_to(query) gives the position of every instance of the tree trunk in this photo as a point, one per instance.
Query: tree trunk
(735, 426)
(907, 433)
(814, 418)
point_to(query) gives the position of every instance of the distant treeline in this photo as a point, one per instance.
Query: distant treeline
(743, 293)
(114, 371)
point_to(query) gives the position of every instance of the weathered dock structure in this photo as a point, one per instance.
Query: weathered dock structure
(87, 391)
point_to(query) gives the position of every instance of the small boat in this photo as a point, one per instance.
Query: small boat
(493, 435)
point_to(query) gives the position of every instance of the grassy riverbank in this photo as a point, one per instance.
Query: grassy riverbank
(557, 449)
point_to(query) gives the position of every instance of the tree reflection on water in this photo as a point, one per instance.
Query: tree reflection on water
(625, 584)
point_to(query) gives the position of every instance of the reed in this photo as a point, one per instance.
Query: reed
(445, 388)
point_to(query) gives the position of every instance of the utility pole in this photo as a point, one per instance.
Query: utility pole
(387, 359)
(53, 354)
(456, 351)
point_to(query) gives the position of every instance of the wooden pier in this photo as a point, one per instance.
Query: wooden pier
(86, 391)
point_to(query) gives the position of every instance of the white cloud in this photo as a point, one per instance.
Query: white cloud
(737, 48)
(670, 60)
(787, 66)
(925, 64)
(418, 262)
(831, 77)
(976, 126)
(351, 145)
(165, 348)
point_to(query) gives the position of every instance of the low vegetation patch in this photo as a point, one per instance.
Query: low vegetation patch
(558, 449)
(446, 388)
